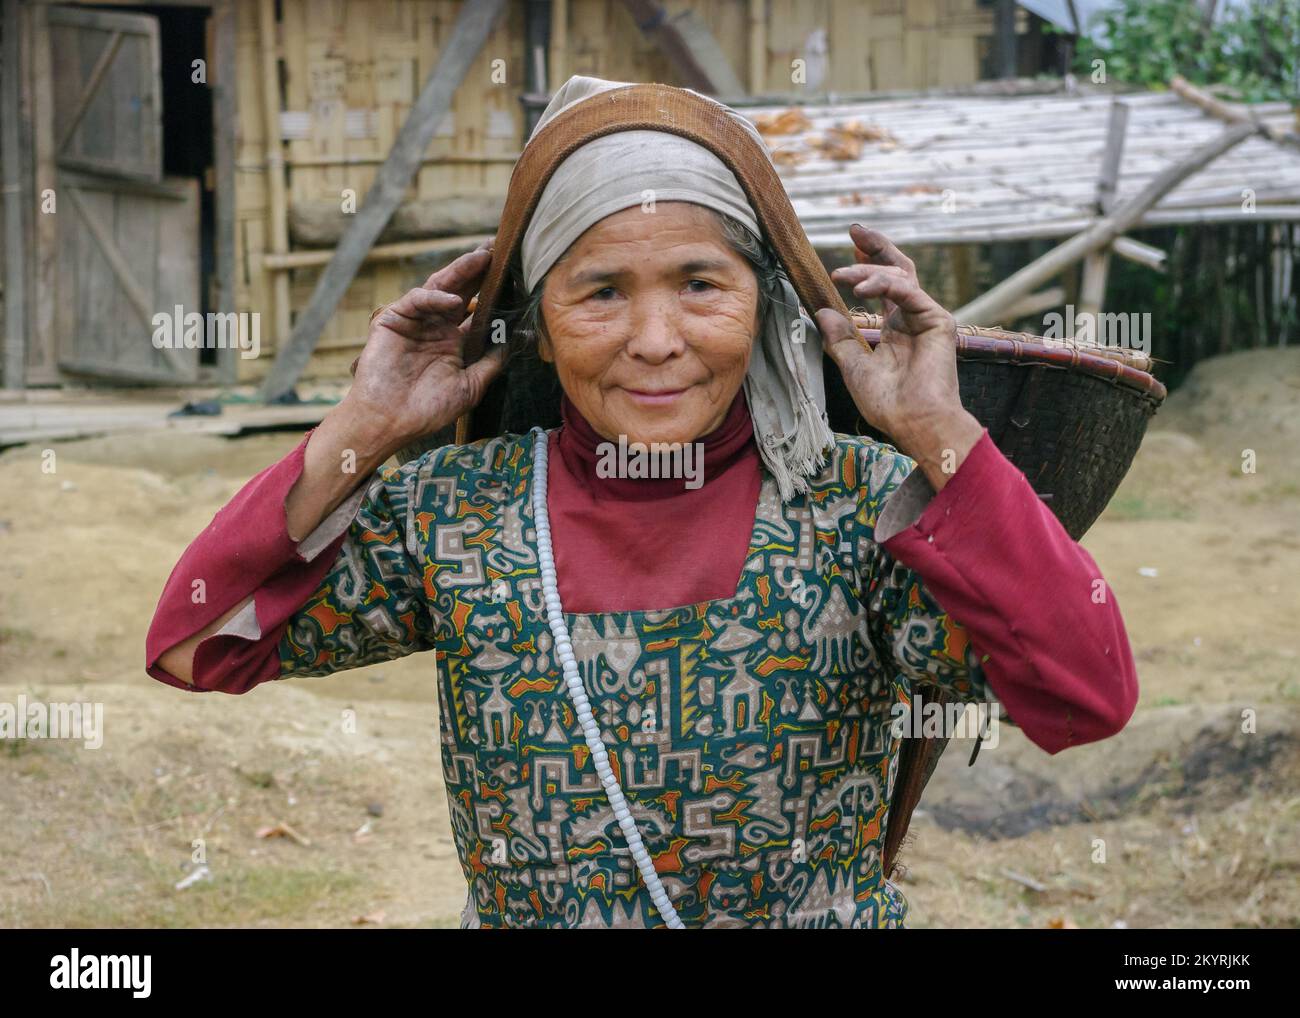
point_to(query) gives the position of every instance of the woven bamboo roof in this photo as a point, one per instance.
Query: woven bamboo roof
(968, 168)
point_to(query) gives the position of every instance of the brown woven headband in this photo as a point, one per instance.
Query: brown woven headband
(653, 108)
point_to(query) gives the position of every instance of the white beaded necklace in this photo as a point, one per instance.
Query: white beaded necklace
(569, 664)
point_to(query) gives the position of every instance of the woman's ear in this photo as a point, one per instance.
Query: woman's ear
(544, 344)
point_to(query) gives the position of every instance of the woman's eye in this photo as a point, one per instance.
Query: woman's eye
(604, 293)
(705, 284)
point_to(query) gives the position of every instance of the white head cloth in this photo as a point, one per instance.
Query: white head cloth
(784, 387)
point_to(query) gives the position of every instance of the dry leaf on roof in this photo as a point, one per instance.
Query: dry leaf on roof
(790, 121)
(835, 145)
(866, 132)
(846, 141)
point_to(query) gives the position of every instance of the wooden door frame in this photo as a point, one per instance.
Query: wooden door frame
(225, 97)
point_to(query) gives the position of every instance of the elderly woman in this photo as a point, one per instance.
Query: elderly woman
(663, 703)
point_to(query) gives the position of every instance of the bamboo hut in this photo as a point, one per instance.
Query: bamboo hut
(208, 156)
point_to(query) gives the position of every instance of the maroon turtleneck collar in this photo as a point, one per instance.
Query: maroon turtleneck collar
(581, 445)
(626, 544)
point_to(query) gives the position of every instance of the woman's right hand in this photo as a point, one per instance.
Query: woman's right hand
(411, 379)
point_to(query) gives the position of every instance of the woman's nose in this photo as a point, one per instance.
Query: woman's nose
(656, 334)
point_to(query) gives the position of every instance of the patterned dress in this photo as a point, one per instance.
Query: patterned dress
(751, 734)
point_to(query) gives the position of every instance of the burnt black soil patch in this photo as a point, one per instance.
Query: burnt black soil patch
(1212, 771)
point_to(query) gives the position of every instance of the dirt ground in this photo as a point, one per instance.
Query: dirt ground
(1183, 820)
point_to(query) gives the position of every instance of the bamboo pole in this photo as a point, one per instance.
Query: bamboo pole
(379, 253)
(1142, 254)
(1036, 303)
(279, 211)
(1102, 232)
(1222, 111)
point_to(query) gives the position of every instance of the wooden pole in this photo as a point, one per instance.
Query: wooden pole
(15, 340)
(279, 211)
(1096, 265)
(1101, 233)
(473, 26)
(223, 84)
(689, 46)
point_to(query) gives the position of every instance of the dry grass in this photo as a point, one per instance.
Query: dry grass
(1201, 826)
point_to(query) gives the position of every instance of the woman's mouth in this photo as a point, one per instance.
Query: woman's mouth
(653, 397)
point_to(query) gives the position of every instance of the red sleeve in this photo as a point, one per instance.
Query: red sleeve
(1032, 600)
(245, 550)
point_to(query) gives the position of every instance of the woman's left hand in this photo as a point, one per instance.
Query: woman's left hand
(907, 386)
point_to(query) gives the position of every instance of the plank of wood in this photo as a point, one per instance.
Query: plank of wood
(88, 90)
(67, 419)
(391, 182)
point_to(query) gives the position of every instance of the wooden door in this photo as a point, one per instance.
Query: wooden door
(127, 238)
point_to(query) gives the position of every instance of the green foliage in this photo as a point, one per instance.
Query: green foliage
(1253, 50)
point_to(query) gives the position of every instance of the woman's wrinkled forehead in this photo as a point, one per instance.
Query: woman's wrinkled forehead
(620, 171)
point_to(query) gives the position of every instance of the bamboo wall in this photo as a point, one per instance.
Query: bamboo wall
(351, 68)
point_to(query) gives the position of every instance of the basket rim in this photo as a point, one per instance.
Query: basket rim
(1126, 368)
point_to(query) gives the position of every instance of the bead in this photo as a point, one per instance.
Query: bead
(577, 693)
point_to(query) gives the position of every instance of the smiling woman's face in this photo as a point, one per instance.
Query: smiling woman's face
(651, 317)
